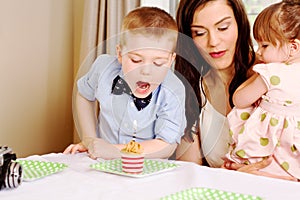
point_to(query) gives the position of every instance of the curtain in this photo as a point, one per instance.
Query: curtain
(102, 21)
(101, 24)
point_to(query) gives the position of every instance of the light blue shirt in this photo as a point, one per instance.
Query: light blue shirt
(163, 117)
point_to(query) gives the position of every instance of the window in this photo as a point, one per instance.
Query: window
(254, 7)
(168, 5)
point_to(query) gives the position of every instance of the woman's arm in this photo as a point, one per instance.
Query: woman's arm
(249, 92)
(189, 151)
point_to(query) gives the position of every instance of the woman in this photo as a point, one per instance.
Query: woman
(220, 31)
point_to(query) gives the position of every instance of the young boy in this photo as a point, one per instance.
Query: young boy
(138, 94)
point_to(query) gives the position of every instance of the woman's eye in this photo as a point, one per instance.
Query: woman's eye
(223, 28)
(199, 33)
(196, 33)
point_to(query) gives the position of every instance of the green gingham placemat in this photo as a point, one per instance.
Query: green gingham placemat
(151, 167)
(33, 169)
(208, 194)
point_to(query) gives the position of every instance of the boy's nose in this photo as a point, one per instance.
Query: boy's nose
(146, 69)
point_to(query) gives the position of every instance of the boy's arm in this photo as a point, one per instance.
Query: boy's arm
(85, 122)
(86, 118)
(156, 148)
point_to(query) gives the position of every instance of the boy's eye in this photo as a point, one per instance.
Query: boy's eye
(135, 60)
(158, 64)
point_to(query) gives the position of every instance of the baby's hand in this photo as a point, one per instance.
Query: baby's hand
(255, 169)
(74, 148)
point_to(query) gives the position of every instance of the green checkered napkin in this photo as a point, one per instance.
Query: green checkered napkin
(208, 194)
(150, 167)
(33, 169)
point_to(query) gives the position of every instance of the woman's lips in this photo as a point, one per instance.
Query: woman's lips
(217, 54)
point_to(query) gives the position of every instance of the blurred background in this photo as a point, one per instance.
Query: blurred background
(42, 46)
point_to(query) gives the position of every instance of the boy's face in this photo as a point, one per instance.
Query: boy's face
(145, 63)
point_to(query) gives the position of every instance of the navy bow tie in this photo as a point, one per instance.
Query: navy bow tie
(120, 87)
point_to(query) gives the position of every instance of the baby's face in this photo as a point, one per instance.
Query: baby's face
(145, 63)
(268, 53)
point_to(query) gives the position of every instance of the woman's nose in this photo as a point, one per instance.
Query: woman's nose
(213, 39)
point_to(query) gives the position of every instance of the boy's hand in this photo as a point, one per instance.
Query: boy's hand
(73, 148)
(99, 148)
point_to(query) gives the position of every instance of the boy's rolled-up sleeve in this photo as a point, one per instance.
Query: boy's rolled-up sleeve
(171, 120)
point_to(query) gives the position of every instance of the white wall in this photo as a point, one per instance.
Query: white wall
(36, 75)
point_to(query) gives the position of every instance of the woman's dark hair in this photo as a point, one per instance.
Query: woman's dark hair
(191, 66)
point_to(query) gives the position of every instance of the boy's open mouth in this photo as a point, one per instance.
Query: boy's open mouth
(142, 86)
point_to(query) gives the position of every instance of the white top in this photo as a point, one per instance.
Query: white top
(214, 133)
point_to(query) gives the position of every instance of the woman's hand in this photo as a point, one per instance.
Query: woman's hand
(254, 168)
(73, 148)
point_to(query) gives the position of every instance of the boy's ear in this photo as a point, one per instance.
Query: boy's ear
(173, 56)
(119, 53)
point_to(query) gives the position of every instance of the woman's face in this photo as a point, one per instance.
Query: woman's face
(215, 32)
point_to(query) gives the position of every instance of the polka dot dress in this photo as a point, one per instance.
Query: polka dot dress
(273, 127)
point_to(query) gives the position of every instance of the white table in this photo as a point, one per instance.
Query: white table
(79, 181)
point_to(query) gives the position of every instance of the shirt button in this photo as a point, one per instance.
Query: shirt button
(132, 104)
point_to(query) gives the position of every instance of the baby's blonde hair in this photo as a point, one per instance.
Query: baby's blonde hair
(149, 21)
(278, 23)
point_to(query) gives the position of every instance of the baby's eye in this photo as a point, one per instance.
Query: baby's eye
(264, 46)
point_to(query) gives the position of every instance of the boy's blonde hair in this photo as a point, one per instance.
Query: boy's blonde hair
(278, 23)
(149, 21)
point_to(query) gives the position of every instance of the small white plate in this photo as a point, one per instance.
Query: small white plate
(151, 167)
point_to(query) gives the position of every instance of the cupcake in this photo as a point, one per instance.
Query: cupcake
(132, 158)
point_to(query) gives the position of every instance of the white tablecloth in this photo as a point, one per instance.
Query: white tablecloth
(79, 181)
